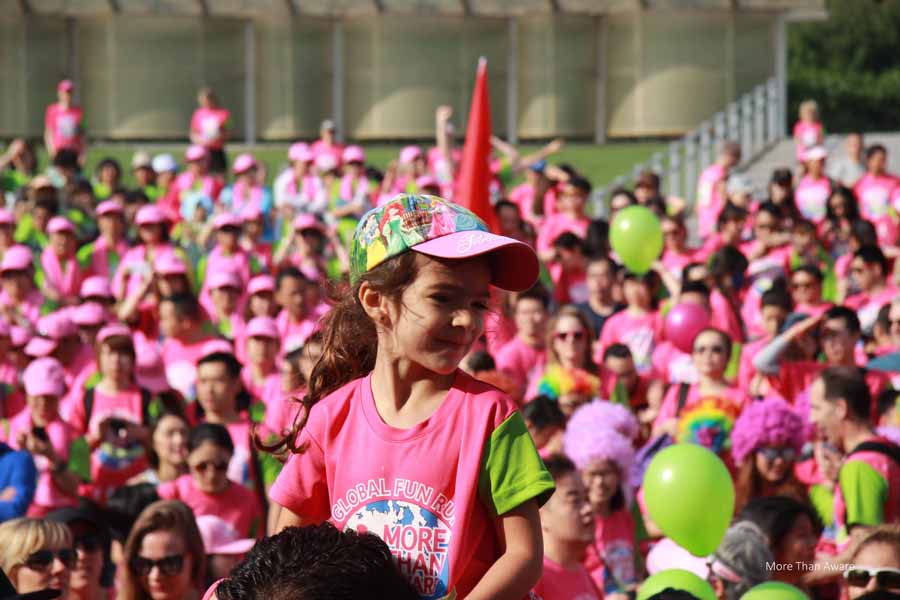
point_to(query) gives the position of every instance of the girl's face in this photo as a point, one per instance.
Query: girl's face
(118, 366)
(710, 354)
(637, 293)
(570, 341)
(262, 304)
(799, 545)
(225, 299)
(838, 205)
(38, 574)
(774, 463)
(150, 233)
(227, 238)
(170, 440)
(172, 579)
(262, 350)
(209, 467)
(44, 409)
(111, 226)
(109, 175)
(63, 244)
(876, 163)
(778, 192)
(439, 315)
(602, 479)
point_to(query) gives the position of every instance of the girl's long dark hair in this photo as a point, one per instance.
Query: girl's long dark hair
(350, 341)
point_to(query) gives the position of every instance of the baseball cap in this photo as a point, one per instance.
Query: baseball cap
(150, 215)
(354, 154)
(261, 283)
(426, 181)
(299, 151)
(164, 163)
(244, 162)
(113, 330)
(60, 225)
(89, 314)
(436, 227)
(739, 184)
(194, 152)
(217, 346)
(409, 154)
(227, 220)
(16, 258)
(251, 212)
(815, 153)
(262, 327)
(221, 538)
(539, 166)
(222, 279)
(169, 264)
(65, 85)
(109, 207)
(306, 221)
(44, 377)
(50, 330)
(96, 286)
(141, 160)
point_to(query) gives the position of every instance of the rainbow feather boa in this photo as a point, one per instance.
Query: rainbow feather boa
(558, 381)
(708, 423)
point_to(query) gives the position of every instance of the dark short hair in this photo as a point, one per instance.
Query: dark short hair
(617, 351)
(317, 563)
(872, 255)
(875, 149)
(186, 306)
(849, 384)
(559, 466)
(695, 287)
(812, 271)
(569, 241)
(730, 212)
(776, 515)
(213, 433)
(777, 297)
(124, 506)
(848, 316)
(536, 292)
(506, 204)
(289, 272)
(232, 364)
(887, 401)
(581, 184)
(542, 412)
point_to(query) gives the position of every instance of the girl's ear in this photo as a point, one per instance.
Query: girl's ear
(374, 303)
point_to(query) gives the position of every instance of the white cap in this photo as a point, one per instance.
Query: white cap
(164, 163)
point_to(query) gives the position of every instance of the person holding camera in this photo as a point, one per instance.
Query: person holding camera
(40, 430)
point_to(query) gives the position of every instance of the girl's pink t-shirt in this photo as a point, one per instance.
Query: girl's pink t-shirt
(209, 124)
(433, 492)
(281, 410)
(639, 333)
(873, 193)
(614, 541)
(806, 135)
(812, 197)
(237, 506)
(669, 408)
(47, 496)
(709, 199)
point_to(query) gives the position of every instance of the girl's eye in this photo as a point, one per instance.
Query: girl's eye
(440, 298)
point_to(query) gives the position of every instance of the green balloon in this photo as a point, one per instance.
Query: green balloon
(690, 496)
(636, 236)
(775, 590)
(677, 579)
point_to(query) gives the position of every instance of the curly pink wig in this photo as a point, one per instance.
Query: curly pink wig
(767, 422)
(589, 436)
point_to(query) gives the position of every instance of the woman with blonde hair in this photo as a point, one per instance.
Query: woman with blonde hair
(37, 554)
(164, 555)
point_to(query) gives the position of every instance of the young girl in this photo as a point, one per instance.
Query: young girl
(814, 188)
(296, 187)
(398, 432)
(808, 131)
(61, 275)
(168, 450)
(304, 248)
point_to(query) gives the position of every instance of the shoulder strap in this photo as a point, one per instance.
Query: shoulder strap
(88, 406)
(683, 390)
(892, 451)
(146, 406)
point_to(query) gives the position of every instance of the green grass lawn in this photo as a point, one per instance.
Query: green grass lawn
(601, 163)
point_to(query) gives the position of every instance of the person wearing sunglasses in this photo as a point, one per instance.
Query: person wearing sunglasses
(765, 443)
(569, 337)
(92, 572)
(164, 555)
(875, 564)
(37, 554)
(806, 290)
(207, 489)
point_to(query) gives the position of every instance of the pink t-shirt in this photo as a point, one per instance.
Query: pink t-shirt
(873, 193)
(709, 199)
(237, 506)
(281, 410)
(259, 391)
(294, 333)
(669, 407)
(47, 496)
(431, 492)
(867, 305)
(672, 365)
(675, 262)
(560, 583)
(746, 370)
(558, 224)
(209, 124)
(102, 257)
(181, 365)
(806, 135)
(65, 126)
(520, 361)
(638, 332)
(812, 197)
(614, 540)
(137, 263)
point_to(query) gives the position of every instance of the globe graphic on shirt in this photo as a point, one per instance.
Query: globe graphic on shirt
(418, 539)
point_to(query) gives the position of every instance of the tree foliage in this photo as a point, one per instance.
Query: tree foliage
(849, 64)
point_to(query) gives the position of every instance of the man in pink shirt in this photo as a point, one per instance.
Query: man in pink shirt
(524, 356)
(567, 523)
(63, 123)
(710, 188)
(209, 128)
(870, 272)
(327, 142)
(571, 217)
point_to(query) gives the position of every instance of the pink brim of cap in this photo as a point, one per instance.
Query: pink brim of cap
(514, 264)
(236, 547)
(40, 347)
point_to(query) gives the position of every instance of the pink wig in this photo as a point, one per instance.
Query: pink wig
(767, 422)
(590, 437)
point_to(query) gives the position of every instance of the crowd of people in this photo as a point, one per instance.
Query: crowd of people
(200, 372)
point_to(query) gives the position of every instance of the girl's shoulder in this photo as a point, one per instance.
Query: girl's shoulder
(487, 400)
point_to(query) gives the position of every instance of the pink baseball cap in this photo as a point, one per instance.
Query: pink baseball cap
(251, 212)
(217, 346)
(169, 264)
(326, 162)
(262, 327)
(16, 258)
(19, 336)
(221, 538)
(409, 154)
(96, 286)
(65, 85)
(244, 162)
(113, 330)
(354, 154)
(6, 217)
(150, 214)
(261, 283)
(56, 326)
(60, 225)
(306, 221)
(109, 207)
(149, 369)
(815, 153)
(224, 279)
(89, 314)
(194, 152)
(227, 220)
(44, 377)
(299, 151)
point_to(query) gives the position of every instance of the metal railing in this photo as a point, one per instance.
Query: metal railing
(751, 120)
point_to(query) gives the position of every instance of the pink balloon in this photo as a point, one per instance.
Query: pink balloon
(683, 322)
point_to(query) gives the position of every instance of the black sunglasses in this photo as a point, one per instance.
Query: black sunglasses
(885, 578)
(168, 566)
(42, 559)
(203, 467)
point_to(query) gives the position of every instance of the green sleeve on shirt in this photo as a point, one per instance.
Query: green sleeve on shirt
(512, 472)
(80, 459)
(864, 491)
(823, 501)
